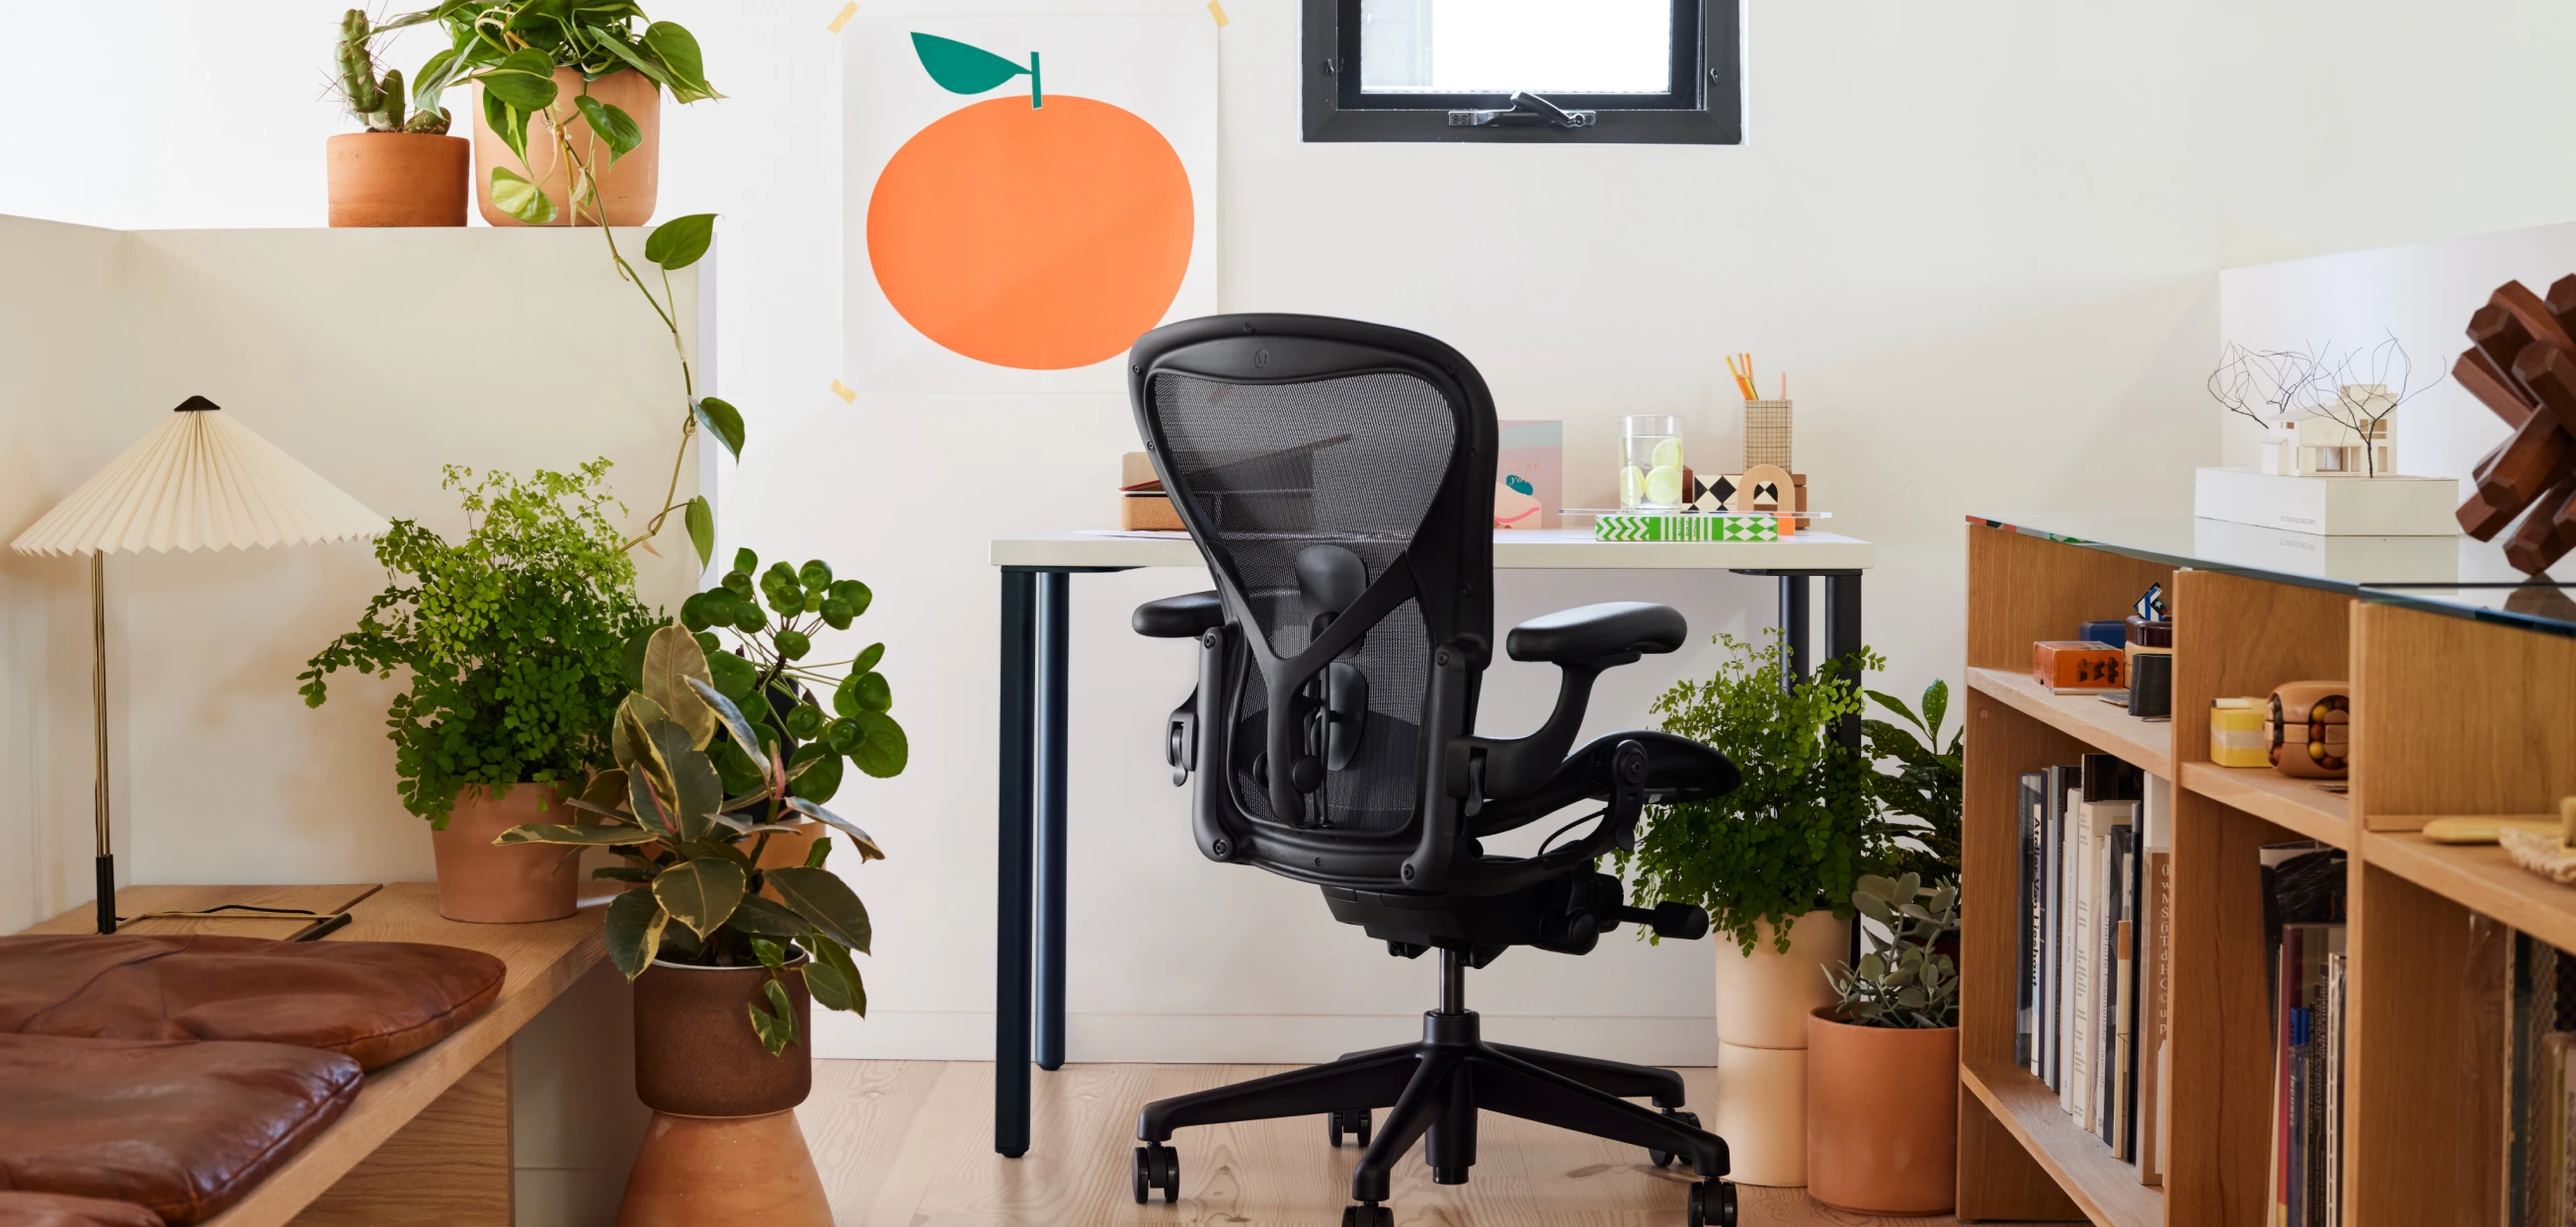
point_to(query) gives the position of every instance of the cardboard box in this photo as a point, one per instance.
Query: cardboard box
(1148, 513)
(2077, 666)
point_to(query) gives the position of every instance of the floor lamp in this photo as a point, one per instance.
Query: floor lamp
(198, 481)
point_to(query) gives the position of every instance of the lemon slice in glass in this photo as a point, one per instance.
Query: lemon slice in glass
(1664, 484)
(1632, 486)
(1668, 454)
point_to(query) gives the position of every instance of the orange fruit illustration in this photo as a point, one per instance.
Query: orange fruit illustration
(1040, 235)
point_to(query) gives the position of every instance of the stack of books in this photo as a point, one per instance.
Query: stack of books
(2096, 906)
(2303, 917)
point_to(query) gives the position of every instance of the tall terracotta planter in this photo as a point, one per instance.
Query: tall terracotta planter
(723, 1146)
(397, 179)
(627, 190)
(1882, 1117)
(483, 884)
(1763, 1000)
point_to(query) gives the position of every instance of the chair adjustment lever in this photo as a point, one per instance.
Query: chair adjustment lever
(1181, 740)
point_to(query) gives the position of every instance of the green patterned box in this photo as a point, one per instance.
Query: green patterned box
(1702, 526)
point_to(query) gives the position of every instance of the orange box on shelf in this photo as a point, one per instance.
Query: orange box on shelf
(2077, 666)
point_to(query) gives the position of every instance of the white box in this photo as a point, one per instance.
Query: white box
(2330, 506)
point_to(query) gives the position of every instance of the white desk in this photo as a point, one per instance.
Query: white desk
(1037, 601)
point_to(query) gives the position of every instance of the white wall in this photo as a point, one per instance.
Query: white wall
(1982, 239)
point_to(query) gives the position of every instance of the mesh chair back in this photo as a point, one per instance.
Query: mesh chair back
(1316, 460)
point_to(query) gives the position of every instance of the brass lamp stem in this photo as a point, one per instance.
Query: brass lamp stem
(98, 712)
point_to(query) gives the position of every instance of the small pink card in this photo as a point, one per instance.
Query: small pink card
(1529, 474)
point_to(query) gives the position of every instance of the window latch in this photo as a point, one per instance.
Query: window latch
(1527, 110)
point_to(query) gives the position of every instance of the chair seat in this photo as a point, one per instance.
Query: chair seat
(374, 1002)
(181, 1128)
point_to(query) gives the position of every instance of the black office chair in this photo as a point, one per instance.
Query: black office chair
(1339, 478)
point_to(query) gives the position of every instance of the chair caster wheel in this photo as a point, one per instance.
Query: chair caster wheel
(1712, 1204)
(1158, 1167)
(1355, 1122)
(1664, 1158)
(1367, 1216)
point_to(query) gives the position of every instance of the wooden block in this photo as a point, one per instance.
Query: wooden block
(2534, 457)
(448, 1167)
(2482, 519)
(1148, 513)
(2493, 388)
(2076, 664)
(2529, 311)
(2498, 335)
(2551, 376)
(2544, 536)
(2562, 302)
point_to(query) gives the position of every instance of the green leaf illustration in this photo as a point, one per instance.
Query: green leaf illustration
(963, 69)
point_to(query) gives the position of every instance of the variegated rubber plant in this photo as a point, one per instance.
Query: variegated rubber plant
(694, 853)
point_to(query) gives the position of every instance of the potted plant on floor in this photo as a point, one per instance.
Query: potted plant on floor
(571, 103)
(1774, 863)
(403, 169)
(512, 637)
(1925, 787)
(726, 947)
(1883, 1060)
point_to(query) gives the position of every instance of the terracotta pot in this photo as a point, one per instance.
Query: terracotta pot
(396, 179)
(627, 189)
(1882, 1117)
(693, 1171)
(1763, 998)
(482, 884)
(695, 1051)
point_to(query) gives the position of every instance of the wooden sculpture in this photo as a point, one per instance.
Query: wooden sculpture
(2521, 364)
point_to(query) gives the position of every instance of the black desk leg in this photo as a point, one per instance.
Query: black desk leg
(1842, 633)
(1055, 608)
(1012, 852)
(1793, 627)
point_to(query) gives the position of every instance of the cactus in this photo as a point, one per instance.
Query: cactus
(377, 103)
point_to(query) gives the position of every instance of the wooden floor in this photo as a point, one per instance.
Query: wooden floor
(910, 1144)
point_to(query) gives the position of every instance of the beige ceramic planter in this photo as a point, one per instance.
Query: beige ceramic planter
(483, 884)
(627, 189)
(1763, 1000)
(397, 179)
(1882, 1117)
(1761, 1109)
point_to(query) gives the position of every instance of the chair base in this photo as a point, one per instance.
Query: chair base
(1435, 1089)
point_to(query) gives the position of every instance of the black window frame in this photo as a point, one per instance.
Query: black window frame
(1706, 108)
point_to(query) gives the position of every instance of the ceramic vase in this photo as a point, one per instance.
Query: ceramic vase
(626, 189)
(1882, 1117)
(1763, 1000)
(397, 179)
(483, 884)
(723, 1146)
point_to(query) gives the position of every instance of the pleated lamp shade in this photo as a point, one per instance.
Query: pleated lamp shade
(199, 481)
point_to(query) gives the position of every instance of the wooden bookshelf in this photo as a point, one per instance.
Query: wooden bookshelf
(2453, 715)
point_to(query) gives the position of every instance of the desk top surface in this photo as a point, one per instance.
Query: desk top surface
(543, 958)
(1541, 549)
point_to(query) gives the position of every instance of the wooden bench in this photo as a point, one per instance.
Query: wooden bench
(428, 1140)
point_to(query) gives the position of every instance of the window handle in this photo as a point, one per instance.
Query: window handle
(1527, 110)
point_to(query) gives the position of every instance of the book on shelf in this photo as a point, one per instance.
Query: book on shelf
(2029, 987)
(2107, 804)
(2304, 892)
(2155, 1012)
(2058, 1012)
(2089, 954)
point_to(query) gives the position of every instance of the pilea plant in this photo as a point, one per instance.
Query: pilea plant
(1905, 980)
(511, 636)
(768, 676)
(378, 101)
(1803, 825)
(693, 853)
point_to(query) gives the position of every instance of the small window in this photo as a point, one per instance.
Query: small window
(1601, 71)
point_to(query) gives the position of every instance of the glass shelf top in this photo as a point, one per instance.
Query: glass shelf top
(2457, 575)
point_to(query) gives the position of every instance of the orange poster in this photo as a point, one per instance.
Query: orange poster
(1029, 195)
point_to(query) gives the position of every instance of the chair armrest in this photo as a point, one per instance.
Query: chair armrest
(1594, 632)
(1179, 617)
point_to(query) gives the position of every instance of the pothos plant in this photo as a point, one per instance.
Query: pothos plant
(768, 675)
(512, 48)
(1800, 829)
(1905, 980)
(693, 852)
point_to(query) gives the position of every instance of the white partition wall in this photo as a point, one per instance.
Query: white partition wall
(375, 357)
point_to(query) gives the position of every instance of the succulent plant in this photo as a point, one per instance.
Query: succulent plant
(1905, 981)
(378, 101)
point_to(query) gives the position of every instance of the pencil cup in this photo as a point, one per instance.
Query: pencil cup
(1766, 433)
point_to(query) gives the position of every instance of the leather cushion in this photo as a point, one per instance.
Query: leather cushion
(375, 1002)
(58, 1210)
(179, 1127)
